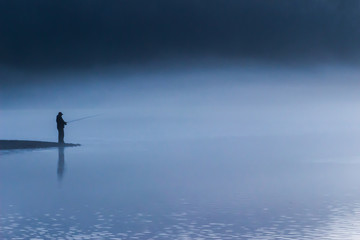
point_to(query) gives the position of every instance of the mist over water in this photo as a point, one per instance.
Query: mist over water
(256, 153)
(200, 119)
(203, 102)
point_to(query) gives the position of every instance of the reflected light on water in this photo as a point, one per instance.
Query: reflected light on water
(343, 223)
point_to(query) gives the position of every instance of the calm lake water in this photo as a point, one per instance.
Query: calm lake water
(275, 187)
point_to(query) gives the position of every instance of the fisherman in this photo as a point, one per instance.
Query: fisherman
(60, 127)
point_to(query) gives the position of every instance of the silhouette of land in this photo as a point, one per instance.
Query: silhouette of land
(23, 144)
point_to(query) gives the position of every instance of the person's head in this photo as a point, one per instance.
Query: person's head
(60, 114)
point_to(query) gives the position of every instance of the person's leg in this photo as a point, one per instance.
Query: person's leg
(61, 135)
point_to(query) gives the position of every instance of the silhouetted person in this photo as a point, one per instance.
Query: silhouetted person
(61, 163)
(60, 127)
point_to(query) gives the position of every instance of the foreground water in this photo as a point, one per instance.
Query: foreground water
(299, 187)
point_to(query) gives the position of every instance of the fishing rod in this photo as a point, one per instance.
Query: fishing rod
(79, 119)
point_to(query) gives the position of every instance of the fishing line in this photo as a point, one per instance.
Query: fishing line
(83, 118)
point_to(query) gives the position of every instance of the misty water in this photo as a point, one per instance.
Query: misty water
(250, 161)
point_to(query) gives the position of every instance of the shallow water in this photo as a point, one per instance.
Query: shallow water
(274, 187)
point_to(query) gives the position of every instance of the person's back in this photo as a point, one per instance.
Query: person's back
(60, 121)
(60, 127)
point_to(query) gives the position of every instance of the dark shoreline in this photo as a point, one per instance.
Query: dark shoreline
(27, 144)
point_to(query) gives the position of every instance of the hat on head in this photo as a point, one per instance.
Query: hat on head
(60, 113)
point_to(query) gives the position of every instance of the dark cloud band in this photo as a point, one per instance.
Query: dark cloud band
(82, 33)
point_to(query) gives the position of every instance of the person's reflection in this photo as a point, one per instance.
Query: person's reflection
(61, 163)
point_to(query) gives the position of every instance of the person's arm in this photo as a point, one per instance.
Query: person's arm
(63, 121)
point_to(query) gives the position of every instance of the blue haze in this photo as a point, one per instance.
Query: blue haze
(259, 153)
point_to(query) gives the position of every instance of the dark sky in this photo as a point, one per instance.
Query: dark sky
(76, 34)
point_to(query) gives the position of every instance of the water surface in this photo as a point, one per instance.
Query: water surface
(274, 187)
